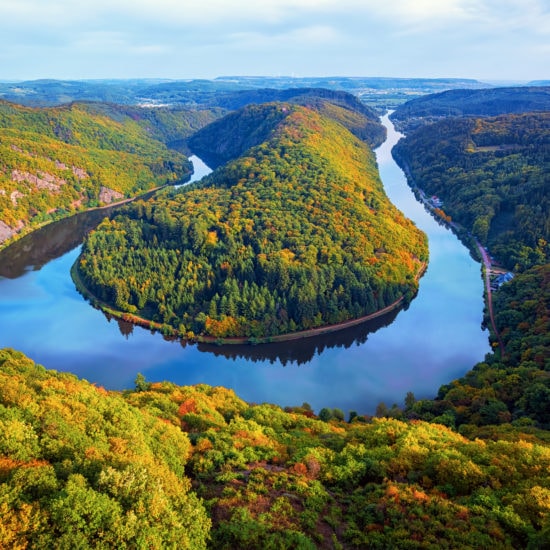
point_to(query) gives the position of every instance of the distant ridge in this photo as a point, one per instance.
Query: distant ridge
(49, 92)
(485, 102)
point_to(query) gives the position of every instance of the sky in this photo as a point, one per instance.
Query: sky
(490, 40)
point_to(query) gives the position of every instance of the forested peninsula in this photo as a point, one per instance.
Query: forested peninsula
(293, 234)
(58, 161)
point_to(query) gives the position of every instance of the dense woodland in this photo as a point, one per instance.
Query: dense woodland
(188, 467)
(360, 119)
(294, 234)
(230, 137)
(492, 175)
(468, 103)
(54, 162)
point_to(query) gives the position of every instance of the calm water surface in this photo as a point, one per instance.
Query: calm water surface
(436, 340)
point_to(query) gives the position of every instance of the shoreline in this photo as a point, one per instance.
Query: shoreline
(28, 229)
(168, 330)
(476, 249)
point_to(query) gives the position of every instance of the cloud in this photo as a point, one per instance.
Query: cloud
(426, 37)
(122, 43)
(307, 37)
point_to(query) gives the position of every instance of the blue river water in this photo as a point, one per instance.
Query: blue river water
(438, 338)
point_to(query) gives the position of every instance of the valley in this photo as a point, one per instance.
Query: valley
(422, 428)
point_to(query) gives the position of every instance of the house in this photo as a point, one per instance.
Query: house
(503, 278)
(435, 201)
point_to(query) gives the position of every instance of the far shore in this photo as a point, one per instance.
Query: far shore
(27, 229)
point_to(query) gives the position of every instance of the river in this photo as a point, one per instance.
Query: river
(437, 339)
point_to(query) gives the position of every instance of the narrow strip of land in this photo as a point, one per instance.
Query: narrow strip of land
(487, 264)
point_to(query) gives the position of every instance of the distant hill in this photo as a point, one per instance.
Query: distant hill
(373, 90)
(229, 137)
(55, 161)
(485, 102)
(169, 125)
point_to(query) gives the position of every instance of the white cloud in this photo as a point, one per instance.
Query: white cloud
(307, 37)
(109, 42)
(368, 36)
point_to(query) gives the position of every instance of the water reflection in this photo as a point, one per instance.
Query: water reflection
(52, 241)
(55, 239)
(298, 352)
(301, 352)
(44, 245)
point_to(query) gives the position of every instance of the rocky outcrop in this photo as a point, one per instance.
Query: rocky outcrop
(107, 196)
(42, 180)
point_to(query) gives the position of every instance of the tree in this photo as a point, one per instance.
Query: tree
(410, 400)
(325, 414)
(141, 384)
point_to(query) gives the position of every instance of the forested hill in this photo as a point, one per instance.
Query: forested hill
(492, 175)
(229, 137)
(169, 125)
(485, 102)
(56, 161)
(361, 120)
(294, 234)
(48, 92)
(167, 466)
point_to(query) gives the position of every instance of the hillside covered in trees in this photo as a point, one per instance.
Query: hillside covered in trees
(294, 234)
(467, 103)
(167, 466)
(229, 137)
(54, 162)
(492, 175)
(343, 107)
(211, 93)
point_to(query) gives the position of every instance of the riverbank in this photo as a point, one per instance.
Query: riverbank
(28, 229)
(168, 330)
(476, 249)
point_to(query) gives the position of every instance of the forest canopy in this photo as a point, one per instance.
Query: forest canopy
(295, 233)
(169, 466)
(471, 103)
(492, 176)
(56, 161)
